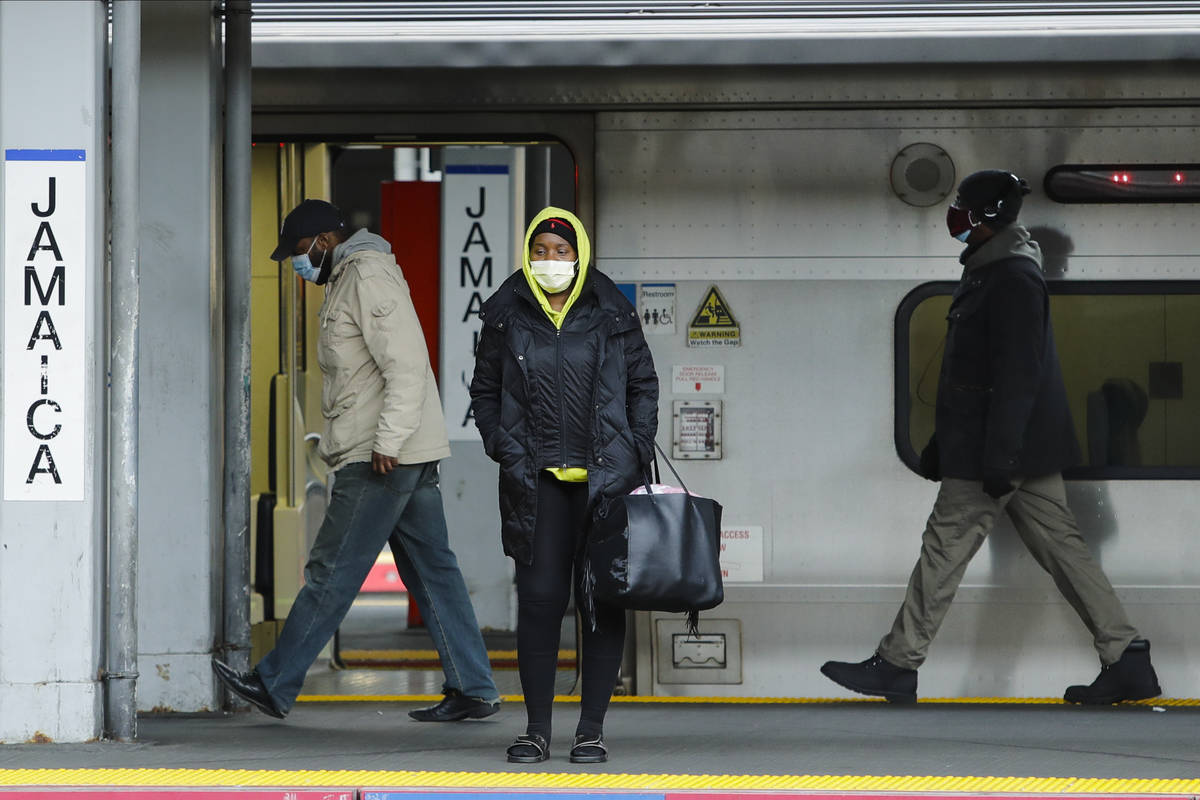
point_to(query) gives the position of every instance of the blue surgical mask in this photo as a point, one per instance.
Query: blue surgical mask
(304, 266)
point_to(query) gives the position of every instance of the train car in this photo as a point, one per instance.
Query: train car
(793, 164)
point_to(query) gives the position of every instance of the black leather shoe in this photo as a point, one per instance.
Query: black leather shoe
(1132, 677)
(247, 686)
(455, 706)
(874, 677)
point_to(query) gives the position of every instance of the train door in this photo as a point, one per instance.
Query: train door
(454, 214)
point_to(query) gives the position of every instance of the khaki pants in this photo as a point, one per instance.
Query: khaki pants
(962, 518)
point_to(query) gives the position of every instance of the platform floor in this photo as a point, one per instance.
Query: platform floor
(831, 738)
(351, 729)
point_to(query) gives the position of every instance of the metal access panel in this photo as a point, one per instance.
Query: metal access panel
(793, 216)
(711, 656)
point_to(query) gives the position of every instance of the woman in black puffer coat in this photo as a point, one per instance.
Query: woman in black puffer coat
(566, 398)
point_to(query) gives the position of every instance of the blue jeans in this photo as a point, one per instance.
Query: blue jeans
(367, 510)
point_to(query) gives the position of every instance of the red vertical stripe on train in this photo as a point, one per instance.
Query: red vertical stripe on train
(412, 222)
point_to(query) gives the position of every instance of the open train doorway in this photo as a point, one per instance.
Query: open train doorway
(453, 213)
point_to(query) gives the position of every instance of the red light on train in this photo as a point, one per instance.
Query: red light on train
(1122, 183)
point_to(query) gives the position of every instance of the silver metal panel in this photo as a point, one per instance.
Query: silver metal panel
(765, 195)
(622, 34)
(356, 91)
(748, 198)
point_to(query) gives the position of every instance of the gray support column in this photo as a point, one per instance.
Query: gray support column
(236, 592)
(180, 413)
(53, 127)
(121, 667)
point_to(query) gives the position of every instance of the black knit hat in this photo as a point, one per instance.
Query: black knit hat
(559, 227)
(310, 218)
(994, 195)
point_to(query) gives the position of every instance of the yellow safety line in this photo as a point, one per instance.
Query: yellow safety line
(564, 698)
(572, 780)
(431, 655)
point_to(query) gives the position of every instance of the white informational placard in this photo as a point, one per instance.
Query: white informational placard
(742, 554)
(656, 307)
(476, 254)
(698, 379)
(45, 274)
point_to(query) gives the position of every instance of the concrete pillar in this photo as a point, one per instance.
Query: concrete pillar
(180, 364)
(52, 126)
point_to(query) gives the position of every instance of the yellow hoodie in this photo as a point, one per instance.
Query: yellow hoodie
(583, 249)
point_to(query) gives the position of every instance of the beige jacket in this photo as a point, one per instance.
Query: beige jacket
(378, 390)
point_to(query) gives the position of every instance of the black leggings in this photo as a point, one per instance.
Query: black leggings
(543, 589)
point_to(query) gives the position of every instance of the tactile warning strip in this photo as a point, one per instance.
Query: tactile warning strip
(527, 780)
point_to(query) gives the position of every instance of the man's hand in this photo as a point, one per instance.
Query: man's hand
(382, 465)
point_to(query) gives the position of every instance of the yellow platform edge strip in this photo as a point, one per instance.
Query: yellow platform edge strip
(526, 780)
(431, 655)
(1173, 702)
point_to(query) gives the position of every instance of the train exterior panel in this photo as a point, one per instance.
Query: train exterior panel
(794, 217)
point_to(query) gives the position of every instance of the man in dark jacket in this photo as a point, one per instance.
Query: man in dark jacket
(1003, 436)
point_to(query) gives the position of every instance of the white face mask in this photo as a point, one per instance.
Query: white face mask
(553, 276)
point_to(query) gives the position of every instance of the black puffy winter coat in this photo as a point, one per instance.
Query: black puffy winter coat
(1001, 404)
(585, 396)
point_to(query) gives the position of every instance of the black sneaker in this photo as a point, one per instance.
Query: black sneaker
(1130, 678)
(455, 706)
(874, 677)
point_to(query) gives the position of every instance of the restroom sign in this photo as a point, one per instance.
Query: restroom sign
(45, 276)
(713, 324)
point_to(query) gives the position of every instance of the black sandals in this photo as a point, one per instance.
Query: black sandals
(589, 750)
(529, 748)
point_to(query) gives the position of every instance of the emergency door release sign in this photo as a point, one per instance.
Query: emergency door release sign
(698, 379)
(45, 277)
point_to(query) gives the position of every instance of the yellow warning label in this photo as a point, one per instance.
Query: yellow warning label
(714, 324)
(713, 312)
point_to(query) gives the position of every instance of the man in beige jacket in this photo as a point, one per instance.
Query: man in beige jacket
(384, 434)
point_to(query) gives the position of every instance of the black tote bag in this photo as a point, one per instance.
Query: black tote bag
(656, 552)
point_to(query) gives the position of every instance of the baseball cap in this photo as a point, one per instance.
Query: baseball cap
(309, 218)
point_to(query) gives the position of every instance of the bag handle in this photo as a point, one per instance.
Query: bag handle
(669, 464)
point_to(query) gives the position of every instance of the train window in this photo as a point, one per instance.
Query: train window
(1117, 183)
(1130, 352)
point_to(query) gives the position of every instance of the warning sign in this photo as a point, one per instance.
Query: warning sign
(714, 324)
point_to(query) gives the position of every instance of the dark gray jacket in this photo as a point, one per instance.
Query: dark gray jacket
(525, 402)
(1001, 405)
